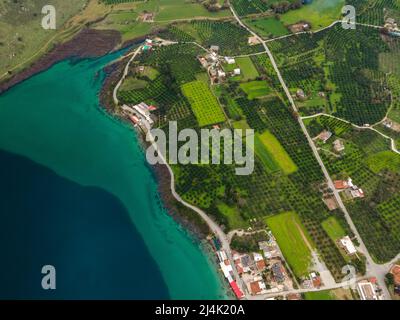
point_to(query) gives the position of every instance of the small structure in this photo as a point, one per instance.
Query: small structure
(236, 72)
(221, 74)
(277, 270)
(338, 145)
(230, 60)
(253, 40)
(341, 184)
(348, 245)
(226, 268)
(257, 286)
(395, 271)
(214, 48)
(300, 94)
(324, 136)
(366, 290)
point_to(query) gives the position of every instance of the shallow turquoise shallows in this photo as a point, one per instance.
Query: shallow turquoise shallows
(54, 121)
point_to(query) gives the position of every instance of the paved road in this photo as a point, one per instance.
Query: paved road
(373, 269)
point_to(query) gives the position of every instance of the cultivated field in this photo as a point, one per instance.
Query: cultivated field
(293, 241)
(204, 104)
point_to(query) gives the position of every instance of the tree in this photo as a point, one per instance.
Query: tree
(389, 279)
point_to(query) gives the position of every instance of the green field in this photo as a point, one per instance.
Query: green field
(255, 89)
(204, 104)
(384, 160)
(268, 27)
(320, 13)
(235, 221)
(22, 38)
(265, 155)
(278, 153)
(247, 68)
(320, 295)
(289, 232)
(333, 228)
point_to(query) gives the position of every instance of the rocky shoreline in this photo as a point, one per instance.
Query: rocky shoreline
(88, 43)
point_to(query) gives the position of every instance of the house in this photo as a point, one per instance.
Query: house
(230, 60)
(341, 184)
(324, 136)
(261, 265)
(347, 245)
(253, 40)
(236, 72)
(300, 94)
(395, 271)
(338, 145)
(257, 257)
(257, 286)
(357, 193)
(278, 272)
(214, 48)
(221, 74)
(226, 268)
(366, 290)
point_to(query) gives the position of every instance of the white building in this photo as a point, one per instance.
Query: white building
(230, 60)
(236, 72)
(366, 290)
(348, 245)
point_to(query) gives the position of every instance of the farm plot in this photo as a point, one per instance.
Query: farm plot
(247, 68)
(219, 33)
(268, 27)
(373, 167)
(293, 240)
(245, 7)
(325, 64)
(204, 104)
(279, 154)
(333, 228)
(255, 89)
(264, 154)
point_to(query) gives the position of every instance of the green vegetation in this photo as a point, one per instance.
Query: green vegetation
(204, 104)
(232, 214)
(320, 295)
(268, 27)
(368, 160)
(265, 156)
(22, 38)
(248, 243)
(333, 228)
(247, 68)
(320, 13)
(210, 32)
(255, 89)
(326, 63)
(292, 239)
(384, 160)
(279, 154)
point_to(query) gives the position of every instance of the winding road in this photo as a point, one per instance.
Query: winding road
(373, 269)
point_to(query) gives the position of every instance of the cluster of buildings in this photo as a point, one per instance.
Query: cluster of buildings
(264, 271)
(140, 114)
(214, 65)
(351, 189)
(227, 270)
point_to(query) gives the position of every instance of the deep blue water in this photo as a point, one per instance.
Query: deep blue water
(85, 232)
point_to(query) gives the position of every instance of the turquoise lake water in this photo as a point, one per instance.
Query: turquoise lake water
(76, 193)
